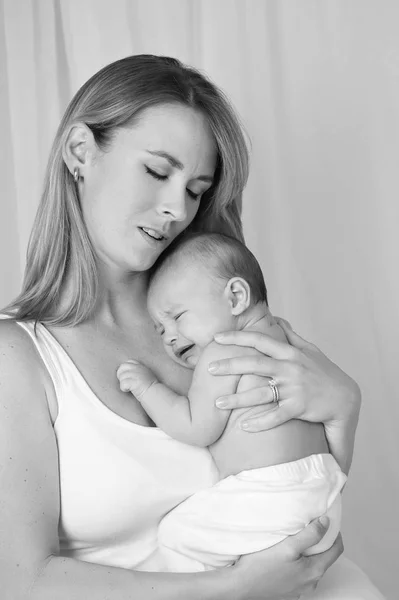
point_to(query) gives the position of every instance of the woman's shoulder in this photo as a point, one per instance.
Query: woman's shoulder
(21, 367)
(13, 339)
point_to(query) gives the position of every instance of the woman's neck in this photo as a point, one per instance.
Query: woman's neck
(121, 298)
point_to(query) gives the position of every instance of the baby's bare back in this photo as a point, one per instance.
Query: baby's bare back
(237, 450)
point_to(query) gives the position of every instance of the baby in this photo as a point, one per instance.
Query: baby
(273, 483)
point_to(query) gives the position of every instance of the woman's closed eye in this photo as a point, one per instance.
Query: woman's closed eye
(160, 177)
(156, 175)
(193, 195)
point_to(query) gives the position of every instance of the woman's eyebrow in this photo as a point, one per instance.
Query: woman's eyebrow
(171, 159)
(176, 163)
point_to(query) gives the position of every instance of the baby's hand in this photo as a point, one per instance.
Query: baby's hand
(135, 378)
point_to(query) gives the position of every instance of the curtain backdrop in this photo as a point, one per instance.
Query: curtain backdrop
(316, 84)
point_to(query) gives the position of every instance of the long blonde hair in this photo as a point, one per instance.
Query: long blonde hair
(59, 245)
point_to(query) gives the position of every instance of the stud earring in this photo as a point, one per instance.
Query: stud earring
(76, 174)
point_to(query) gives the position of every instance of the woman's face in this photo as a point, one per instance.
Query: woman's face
(145, 189)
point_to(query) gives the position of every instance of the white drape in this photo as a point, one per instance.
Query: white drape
(317, 86)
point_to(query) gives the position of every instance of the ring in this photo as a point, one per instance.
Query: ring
(274, 388)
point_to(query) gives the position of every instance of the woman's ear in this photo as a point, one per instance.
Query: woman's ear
(79, 149)
(238, 294)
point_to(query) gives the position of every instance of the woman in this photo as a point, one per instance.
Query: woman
(147, 149)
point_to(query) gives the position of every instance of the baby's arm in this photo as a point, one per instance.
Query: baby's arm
(194, 420)
(168, 410)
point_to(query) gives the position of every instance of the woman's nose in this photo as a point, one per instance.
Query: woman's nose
(174, 205)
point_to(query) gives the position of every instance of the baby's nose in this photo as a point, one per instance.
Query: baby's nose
(170, 338)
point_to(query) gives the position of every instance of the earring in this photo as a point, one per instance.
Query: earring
(76, 174)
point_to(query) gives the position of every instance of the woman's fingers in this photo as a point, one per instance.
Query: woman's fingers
(311, 535)
(294, 339)
(254, 397)
(319, 563)
(283, 571)
(256, 364)
(260, 341)
(276, 415)
(283, 322)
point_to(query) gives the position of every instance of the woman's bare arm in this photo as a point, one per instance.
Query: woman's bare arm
(29, 472)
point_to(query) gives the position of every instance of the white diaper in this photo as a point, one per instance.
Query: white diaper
(252, 511)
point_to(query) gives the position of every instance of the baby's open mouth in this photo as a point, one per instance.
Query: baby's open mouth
(182, 352)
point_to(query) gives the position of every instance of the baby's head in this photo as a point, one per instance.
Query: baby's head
(203, 284)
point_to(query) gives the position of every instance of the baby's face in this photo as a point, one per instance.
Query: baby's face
(188, 307)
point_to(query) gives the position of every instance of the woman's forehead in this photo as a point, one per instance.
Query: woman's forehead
(177, 130)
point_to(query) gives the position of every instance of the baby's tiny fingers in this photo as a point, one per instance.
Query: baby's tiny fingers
(125, 385)
(124, 368)
(128, 365)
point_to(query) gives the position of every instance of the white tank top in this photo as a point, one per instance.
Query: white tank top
(117, 479)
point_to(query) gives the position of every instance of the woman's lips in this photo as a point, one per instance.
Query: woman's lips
(150, 239)
(154, 233)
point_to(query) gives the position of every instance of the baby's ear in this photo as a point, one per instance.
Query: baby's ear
(238, 294)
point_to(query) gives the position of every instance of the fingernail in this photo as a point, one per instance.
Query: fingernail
(325, 521)
(221, 403)
(218, 336)
(213, 367)
(245, 425)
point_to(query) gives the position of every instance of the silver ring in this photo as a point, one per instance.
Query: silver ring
(274, 388)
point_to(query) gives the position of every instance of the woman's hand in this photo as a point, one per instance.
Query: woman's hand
(310, 387)
(284, 571)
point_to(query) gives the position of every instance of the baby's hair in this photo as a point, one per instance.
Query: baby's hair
(225, 256)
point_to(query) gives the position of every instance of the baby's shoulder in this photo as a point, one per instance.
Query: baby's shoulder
(215, 351)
